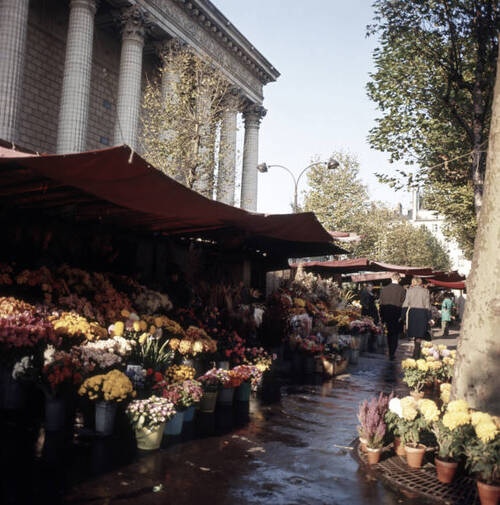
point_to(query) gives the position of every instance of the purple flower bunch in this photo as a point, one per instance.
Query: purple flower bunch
(214, 379)
(371, 416)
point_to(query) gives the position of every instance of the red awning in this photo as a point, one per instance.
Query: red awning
(119, 188)
(447, 285)
(363, 265)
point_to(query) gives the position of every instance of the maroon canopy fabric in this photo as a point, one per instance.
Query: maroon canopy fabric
(118, 185)
(363, 265)
(448, 285)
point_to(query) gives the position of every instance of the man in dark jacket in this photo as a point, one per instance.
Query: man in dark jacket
(391, 301)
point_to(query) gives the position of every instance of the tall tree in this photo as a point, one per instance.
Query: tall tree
(341, 202)
(476, 371)
(433, 82)
(181, 111)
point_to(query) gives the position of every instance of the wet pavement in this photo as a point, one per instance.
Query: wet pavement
(292, 449)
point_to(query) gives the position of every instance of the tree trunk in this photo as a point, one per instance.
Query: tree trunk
(477, 377)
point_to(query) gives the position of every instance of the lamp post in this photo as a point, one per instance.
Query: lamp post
(330, 165)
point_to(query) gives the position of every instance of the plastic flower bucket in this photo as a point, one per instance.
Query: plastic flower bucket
(226, 396)
(354, 356)
(105, 413)
(174, 426)
(12, 393)
(243, 392)
(208, 401)
(224, 365)
(189, 414)
(55, 413)
(149, 439)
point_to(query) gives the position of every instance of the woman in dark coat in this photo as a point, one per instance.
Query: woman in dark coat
(417, 314)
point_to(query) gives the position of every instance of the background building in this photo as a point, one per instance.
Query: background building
(72, 72)
(418, 215)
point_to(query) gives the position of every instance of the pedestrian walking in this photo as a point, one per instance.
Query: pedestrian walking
(367, 299)
(416, 313)
(391, 300)
(446, 308)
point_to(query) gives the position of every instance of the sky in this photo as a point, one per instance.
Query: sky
(319, 102)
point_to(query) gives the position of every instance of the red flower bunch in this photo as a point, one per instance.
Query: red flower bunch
(64, 369)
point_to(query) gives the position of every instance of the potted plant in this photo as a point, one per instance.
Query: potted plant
(412, 423)
(393, 419)
(109, 390)
(415, 375)
(450, 431)
(372, 427)
(482, 451)
(148, 418)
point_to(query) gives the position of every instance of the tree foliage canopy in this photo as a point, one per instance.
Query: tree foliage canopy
(181, 111)
(433, 82)
(341, 202)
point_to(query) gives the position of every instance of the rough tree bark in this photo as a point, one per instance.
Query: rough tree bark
(477, 370)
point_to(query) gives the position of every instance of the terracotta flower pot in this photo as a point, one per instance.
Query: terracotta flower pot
(373, 455)
(399, 448)
(488, 494)
(415, 455)
(362, 444)
(445, 470)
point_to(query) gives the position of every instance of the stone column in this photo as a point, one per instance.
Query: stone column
(252, 116)
(169, 76)
(204, 149)
(13, 28)
(227, 154)
(129, 84)
(74, 110)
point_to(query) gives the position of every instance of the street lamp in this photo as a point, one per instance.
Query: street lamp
(330, 165)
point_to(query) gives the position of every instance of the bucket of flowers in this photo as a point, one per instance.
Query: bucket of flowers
(107, 390)
(451, 430)
(175, 394)
(310, 347)
(247, 374)
(482, 451)
(59, 379)
(211, 383)
(193, 393)
(148, 418)
(229, 384)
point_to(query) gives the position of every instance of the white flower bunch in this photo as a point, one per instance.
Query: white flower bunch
(22, 368)
(395, 407)
(150, 302)
(92, 358)
(151, 412)
(116, 345)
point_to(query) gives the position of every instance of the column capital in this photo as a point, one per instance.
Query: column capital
(233, 99)
(134, 22)
(91, 5)
(253, 114)
(168, 47)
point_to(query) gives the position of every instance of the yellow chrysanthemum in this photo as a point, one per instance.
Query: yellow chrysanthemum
(429, 358)
(442, 347)
(426, 343)
(143, 338)
(458, 406)
(143, 325)
(486, 431)
(174, 344)
(453, 354)
(409, 408)
(453, 420)
(445, 392)
(422, 365)
(429, 410)
(480, 417)
(137, 326)
(425, 351)
(119, 328)
(409, 363)
(125, 313)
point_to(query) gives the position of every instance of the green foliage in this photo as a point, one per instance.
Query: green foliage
(341, 202)
(153, 354)
(484, 459)
(433, 82)
(410, 430)
(451, 442)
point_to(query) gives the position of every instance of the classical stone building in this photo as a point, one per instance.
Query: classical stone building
(71, 74)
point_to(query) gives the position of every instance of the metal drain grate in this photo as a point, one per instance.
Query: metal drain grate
(422, 481)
